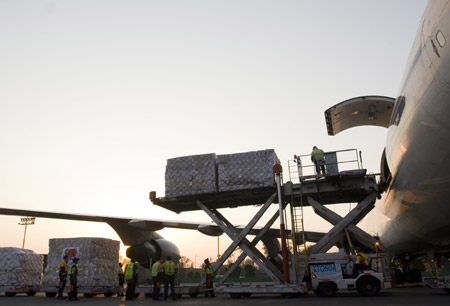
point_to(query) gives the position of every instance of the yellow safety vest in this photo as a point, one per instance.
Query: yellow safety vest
(155, 268)
(317, 154)
(63, 267)
(169, 267)
(362, 259)
(73, 269)
(209, 270)
(129, 271)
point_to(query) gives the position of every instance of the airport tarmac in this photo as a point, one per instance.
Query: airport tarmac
(397, 296)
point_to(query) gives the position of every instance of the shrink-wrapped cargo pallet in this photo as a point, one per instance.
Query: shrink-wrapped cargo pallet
(19, 267)
(98, 264)
(189, 175)
(246, 170)
(209, 173)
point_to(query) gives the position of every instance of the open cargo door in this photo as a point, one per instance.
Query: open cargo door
(366, 110)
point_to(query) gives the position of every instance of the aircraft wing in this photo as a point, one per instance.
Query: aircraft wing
(366, 110)
(143, 228)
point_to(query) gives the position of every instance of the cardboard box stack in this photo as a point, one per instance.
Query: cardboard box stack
(98, 264)
(19, 267)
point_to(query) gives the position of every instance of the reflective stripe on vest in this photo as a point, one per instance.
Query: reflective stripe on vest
(129, 271)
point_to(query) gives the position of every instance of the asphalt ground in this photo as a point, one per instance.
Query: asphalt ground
(396, 296)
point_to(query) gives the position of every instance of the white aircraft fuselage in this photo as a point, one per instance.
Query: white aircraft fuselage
(415, 213)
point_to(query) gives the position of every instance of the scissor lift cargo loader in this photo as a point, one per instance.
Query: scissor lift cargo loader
(316, 191)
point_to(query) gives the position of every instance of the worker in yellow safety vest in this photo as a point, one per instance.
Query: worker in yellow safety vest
(73, 276)
(63, 269)
(157, 277)
(209, 274)
(131, 277)
(318, 158)
(170, 269)
(362, 262)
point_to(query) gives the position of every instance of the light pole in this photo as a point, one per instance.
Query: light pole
(26, 221)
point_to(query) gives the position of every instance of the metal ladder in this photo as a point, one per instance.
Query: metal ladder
(298, 228)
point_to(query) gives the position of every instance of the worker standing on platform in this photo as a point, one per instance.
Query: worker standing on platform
(73, 276)
(170, 268)
(157, 275)
(209, 274)
(62, 276)
(317, 157)
(131, 277)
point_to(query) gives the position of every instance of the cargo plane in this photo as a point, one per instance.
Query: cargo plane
(415, 166)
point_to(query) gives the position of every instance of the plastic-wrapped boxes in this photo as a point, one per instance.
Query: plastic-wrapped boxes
(190, 175)
(19, 267)
(98, 264)
(209, 173)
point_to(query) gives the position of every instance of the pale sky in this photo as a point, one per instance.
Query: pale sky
(95, 96)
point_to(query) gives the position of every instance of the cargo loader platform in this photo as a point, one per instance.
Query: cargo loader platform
(344, 187)
(216, 200)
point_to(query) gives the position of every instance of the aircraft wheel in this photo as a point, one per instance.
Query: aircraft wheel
(368, 286)
(327, 289)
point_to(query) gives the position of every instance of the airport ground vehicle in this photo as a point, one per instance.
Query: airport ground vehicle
(442, 282)
(332, 272)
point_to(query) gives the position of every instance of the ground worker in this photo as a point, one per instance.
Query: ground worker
(170, 269)
(362, 262)
(121, 276)
(73, 276)
(157, 276)
(209, 274)
(317, 157)
(62, 276)
(131, 277)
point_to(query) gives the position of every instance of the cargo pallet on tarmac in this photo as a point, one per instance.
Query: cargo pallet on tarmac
(13, 290)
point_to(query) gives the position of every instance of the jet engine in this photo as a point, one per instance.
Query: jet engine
(152, 250)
